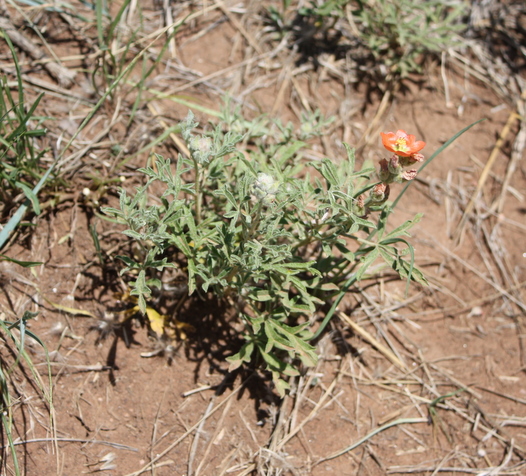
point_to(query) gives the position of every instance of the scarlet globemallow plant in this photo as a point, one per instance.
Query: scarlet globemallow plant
(253, 228)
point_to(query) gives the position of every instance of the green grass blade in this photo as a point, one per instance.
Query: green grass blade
(400, 421)
(18, 73)
(26, 189)
(24, 264)
(7, 423)
(100, 27)
(17, 217)
(96, 243)
(428, 161)
(24, 118)
(117, 19)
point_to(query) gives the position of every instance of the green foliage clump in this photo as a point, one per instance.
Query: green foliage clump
(271, 233)
(400, 32)
(397, 33)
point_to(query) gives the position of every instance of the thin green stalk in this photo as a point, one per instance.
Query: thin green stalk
(198, 197)
(235, 270)
(246, 236)
(342, 269)
(361, 441)
(255, 222)
(100, 27)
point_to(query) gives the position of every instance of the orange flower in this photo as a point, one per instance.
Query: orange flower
(401, 143)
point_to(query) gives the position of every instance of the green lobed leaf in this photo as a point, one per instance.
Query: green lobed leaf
(402, 229)
(244, 355)
(366, 261)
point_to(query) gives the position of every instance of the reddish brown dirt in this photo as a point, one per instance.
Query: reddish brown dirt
(109, 399)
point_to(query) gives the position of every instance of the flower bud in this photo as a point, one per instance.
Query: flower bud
(417, 158)
(412, 159)
(384, 173)
(201, 148)
(409, 175)
(359, 206)
(360, 201)
(265, 187)
(379, 193)
(394, 165)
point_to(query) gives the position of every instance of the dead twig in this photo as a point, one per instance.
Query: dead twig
(374, 342)
(73, 440)
(64, 76)
(485, 173)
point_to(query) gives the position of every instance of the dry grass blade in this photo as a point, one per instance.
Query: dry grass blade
(176, 140)
(311, 415)
(382, 108)
(500, 394)
(75, 440)
(474, 270)
(489, 428)
(251, 41)
(286, 77)
(454, 310)
(219, 428)
(219, 73)
(374, 342)
(173, 445)
(516, 153)
(485, 173)
(197, 436)
(197, 390)
(516, 470)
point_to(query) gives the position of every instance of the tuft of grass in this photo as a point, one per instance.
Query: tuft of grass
(14, 337)
(20, 153)
(397, 34)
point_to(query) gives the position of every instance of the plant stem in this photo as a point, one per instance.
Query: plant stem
(255, 221)
(233, 272)
(198, 197)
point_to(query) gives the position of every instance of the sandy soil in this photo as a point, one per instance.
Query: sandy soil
(118, 412)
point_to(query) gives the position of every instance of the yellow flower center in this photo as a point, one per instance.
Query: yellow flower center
(401, 145)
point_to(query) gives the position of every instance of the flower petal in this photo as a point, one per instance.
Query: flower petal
(388, 140)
